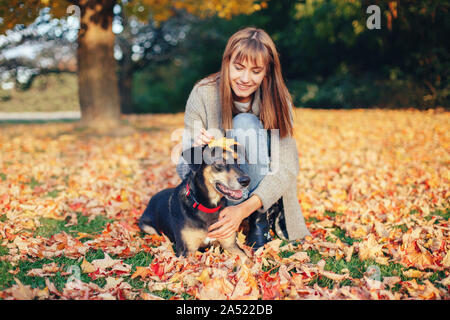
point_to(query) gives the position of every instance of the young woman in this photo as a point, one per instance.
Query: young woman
(248, 97)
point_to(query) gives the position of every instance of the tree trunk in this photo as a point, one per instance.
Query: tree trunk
(97, 80)
(126, 81)
(125, 67)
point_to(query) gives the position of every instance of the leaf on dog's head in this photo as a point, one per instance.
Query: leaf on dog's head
(223, 143)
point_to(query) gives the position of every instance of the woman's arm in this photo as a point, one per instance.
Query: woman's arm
(231, 217)
(192, 123)
(286, 163)
(251, 205)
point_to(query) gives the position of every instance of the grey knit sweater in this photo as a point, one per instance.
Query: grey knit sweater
(203, 106)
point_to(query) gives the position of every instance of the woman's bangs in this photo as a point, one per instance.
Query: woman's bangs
(252, 51)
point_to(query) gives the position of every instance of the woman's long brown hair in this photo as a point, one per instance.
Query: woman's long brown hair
(276, 101)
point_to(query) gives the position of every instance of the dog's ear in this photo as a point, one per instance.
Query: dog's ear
(194, 157)
(213, 155)
(241, 156)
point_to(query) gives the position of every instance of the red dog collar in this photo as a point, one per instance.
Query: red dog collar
(198, 205)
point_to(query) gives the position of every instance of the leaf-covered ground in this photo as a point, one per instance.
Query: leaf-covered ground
(373, 186)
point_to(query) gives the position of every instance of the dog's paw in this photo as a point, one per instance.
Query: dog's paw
(147, 229)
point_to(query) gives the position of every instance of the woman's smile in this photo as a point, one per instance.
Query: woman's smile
(243, 87)
(245, 77)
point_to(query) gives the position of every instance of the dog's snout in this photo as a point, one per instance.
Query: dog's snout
(244, 181)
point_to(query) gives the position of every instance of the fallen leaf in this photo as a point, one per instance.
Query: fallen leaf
(370, 249)
(411, 273)
(141, 272)
(87, 267)
(300, 256)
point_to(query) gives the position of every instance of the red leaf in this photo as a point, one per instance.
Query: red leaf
(157, 269)
(271, 292)
(75, 206)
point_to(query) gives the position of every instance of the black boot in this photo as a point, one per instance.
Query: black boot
(260, 225)
(259, 230)
(275, 216)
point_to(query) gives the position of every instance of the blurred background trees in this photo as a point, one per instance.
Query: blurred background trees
(98, 90)
(330, 58)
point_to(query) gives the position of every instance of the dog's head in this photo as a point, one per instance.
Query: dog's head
(219, 166)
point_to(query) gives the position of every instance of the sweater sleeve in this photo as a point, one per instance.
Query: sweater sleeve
(284, 167)
(193, 121)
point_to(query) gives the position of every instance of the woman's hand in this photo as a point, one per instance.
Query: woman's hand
(203, 138)
(230, 219)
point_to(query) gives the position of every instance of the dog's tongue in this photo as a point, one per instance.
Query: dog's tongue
(236, 194)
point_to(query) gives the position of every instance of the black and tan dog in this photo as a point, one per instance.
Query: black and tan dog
(185, 213)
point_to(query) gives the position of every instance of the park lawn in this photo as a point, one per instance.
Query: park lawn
(373, 187)
(50, 92)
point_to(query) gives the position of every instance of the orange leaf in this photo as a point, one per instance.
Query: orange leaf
(141, 272)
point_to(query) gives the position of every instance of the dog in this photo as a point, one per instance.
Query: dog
(185, 213)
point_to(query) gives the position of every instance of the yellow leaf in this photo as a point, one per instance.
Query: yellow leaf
(446, 260)
(216, 289)
(412, 273)
(247, 287)
(87, 267)
(370, 249)
(82, 235)
(359, 233)
(223, 143)
(23, 292)
(241, 237)
(204, 276)
(334, 276)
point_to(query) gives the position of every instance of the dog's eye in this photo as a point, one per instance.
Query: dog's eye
(219, 167)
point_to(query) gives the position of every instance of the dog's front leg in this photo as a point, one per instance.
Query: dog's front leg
(181, 249)
(230, 245)
(191, 239)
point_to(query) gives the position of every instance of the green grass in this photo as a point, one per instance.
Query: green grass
(65, 263)
(33, 183)
(402, 227)
(53, 193)
(5, 266)
(440, 214)
(286, 254)
(312, 220)
(444, 213)
(357, 268)
(332, 214)
(6, 278)
(50, 227)
(142, 259)
(58, 280)
(341, 234)
(3, 251)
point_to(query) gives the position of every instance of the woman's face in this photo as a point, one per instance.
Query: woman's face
(245, 77)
